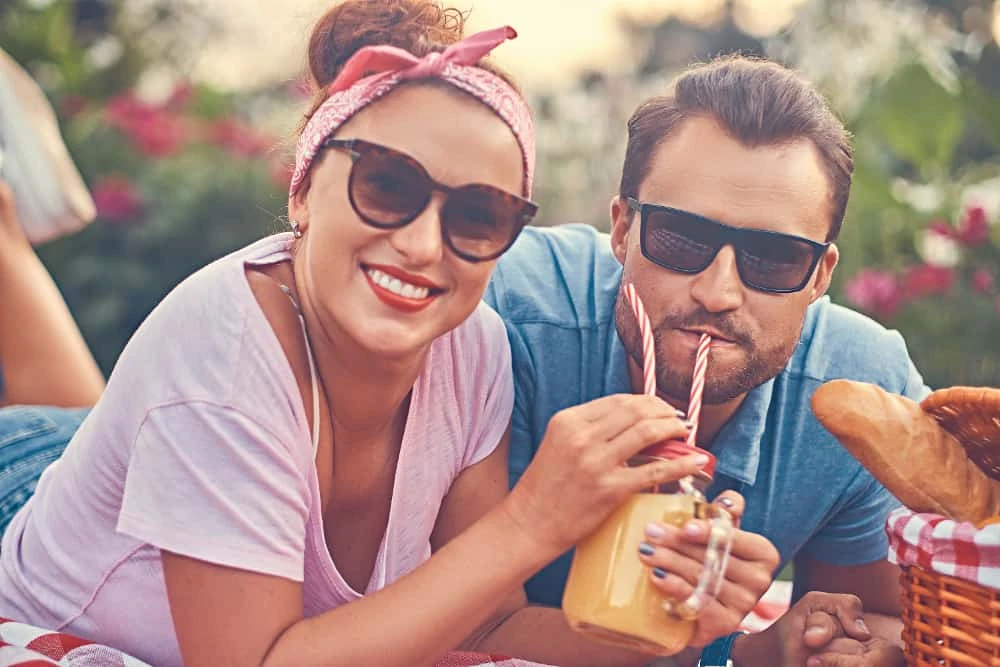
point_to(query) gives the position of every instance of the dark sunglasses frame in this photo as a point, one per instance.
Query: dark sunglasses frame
(730, 235)
(358, 148)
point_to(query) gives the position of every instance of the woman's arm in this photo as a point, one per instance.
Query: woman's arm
(43, 357)
(229, 616)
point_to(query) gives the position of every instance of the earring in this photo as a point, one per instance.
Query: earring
(296, 229)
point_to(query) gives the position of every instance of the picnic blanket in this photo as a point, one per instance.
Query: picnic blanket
(23, 645)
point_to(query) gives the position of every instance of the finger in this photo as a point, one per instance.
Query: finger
(843, 652)
(732, 502)
(675, 575)
(820, 629)
(850, 613)
(636, 436)
(634, 480)
(745, 546)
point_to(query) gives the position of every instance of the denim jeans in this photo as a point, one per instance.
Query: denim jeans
(31, 438)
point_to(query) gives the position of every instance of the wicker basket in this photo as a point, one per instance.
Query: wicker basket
(949, 621)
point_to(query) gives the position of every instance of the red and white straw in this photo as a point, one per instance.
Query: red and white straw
(646, 331)
(697, 387)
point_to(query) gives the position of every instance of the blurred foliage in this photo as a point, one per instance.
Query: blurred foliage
(186, 175)
(179, 181)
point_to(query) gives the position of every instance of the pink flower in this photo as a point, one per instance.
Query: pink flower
(875, 291)
(982, 281)
(974, 228)
(153, 130)
(238, 138)
(925, 280)
(941, 228)
(116, 199)
(181, 96)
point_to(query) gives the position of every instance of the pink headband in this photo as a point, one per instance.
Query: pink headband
(352, 91)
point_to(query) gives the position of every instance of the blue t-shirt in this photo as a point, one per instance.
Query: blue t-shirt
(556, 289)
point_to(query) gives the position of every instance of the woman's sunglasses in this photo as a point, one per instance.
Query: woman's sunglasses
(389, 189)
(688, 243)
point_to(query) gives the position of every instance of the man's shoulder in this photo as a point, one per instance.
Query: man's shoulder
(838, 342)
(565, 276)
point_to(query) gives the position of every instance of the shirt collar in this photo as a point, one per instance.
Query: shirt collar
(737, 445)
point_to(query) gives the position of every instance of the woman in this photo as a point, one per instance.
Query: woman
(300, 457)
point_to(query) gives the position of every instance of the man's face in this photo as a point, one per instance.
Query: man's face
(701, 169)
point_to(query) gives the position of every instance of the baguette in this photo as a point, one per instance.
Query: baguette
(905, 449)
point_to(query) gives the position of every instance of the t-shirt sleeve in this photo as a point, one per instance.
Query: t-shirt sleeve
(496, 390)
(856, 534)
(208, 482)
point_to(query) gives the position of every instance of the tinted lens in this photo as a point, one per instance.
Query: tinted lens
(774, 262)
(679, 242)
(481, 222)
(388, 188)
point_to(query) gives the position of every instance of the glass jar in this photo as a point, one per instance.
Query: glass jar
(609, 595)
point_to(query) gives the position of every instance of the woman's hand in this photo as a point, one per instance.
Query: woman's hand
(676, 559)
(578, 476)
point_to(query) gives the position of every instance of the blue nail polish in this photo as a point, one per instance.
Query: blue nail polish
(646, 549)
(659, 573)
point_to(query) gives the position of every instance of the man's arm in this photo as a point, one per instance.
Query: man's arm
(876, 584)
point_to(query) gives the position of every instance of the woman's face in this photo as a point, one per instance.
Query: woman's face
(393, 291)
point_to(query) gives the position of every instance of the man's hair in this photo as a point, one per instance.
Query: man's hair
(759, 103)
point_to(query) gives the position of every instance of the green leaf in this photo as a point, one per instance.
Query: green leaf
(921, 121)
(983, 107)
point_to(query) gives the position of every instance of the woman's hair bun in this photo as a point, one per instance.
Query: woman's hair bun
(417, 26)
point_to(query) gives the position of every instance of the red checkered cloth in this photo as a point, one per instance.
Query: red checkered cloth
(23, 645)
(937, 544)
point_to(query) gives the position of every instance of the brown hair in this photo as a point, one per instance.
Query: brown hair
(417, 26)
(759, 103)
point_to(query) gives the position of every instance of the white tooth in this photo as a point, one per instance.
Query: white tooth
(397, 286)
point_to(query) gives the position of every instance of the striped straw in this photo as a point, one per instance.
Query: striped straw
(646, 330)
(697, 387)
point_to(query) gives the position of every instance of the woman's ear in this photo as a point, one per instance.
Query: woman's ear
(298, 206)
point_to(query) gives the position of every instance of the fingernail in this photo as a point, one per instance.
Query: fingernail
(680, 413)
(814, 662)
(700, 460)
(654, 531)
(726, 501)
(646, 549)
(862, 626)
(692, 529)
(659, 573)
(814, 632)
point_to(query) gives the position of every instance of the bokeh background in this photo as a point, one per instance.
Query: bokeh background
(180, 113)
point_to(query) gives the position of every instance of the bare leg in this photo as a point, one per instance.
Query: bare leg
(43, 357)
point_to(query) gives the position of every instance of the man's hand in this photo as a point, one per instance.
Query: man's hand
(820, 630)
(678, 555)
(844, 652)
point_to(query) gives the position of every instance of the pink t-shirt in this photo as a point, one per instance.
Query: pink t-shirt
(200, 446)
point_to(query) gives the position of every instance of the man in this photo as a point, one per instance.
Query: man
(733, 189)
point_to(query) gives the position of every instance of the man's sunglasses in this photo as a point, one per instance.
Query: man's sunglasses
(389, 189)
(685, 242)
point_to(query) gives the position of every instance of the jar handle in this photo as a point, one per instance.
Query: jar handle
(720, 540)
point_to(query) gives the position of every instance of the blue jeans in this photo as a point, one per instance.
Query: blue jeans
(30, 439)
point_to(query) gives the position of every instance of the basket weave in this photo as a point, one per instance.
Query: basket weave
(971, 414)
(950, 622)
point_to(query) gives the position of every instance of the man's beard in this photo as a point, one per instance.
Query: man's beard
(673, 380)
